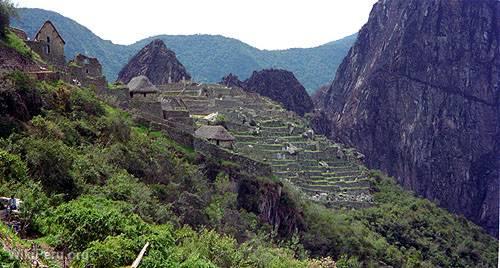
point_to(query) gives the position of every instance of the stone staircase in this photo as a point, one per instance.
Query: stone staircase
(326, 172)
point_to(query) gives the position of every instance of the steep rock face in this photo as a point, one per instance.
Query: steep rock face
(156, 62)
(231, 80)
(281, 86)
(319, 96)
(418, 94)
(278, 85)
(272, 205)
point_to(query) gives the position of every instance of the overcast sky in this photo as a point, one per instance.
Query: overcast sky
(265, 24)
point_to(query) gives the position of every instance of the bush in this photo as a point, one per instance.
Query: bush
(114, 128)
(114, 251)
(84, 103)
(7, 10)
(123, 187)
(7, 261)
(80, 222)
(12, 168)
(50, 162)
(35, 204)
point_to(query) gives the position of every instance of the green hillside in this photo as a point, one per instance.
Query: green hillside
(97, 182)
(207, 57)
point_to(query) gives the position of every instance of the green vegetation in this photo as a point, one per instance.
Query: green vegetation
(7, 261)
(8, 38)
(399, 230)
(94, 182)
(16, 43)
(207, 57)
(7, 10)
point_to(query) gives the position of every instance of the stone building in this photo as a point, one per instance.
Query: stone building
(86, 71)
(217, 135)
(20, 33)
(140, 85)
(175, 111)
(49, 44)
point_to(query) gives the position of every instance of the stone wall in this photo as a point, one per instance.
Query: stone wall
(48, 76)
(20, 33)
(171, 131)
(49, 45)
(247, 165)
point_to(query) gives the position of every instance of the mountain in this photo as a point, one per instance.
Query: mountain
(100, 182)
(418, 94)
(208, 57)
(157, 62)
(278, 85)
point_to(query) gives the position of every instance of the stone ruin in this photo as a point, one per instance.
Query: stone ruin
(49, 44)
(265, 132)
(176, 111)
(86, 71)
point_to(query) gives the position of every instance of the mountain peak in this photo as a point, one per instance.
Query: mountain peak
(405, 95)
(156, 62)
(277, 84)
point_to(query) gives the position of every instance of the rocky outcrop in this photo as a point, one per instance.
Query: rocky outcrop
(156, 62)
(419, 93)
(19, 102)
(278, 85)
(273, 205)
(12, 60)
(319, 95)
(231, 80)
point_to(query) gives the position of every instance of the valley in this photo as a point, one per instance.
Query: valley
(158, 165)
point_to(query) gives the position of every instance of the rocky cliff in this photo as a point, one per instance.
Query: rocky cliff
(156, 62)
(319, 95)
(231, 80)
(278, 85)
(418, 94)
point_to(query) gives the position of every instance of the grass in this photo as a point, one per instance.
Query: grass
(13, 41)
(7, 234)
(114, 86)
(187, 151)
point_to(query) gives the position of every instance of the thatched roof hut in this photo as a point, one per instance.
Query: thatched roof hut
(141, 85)
(215, 133)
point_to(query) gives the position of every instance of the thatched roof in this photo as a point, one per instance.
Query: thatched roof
(141, 84)
(214, 133)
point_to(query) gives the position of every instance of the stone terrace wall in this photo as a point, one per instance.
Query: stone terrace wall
(181, 137)
(247, 165)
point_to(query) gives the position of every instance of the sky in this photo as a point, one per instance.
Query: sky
(265, 24)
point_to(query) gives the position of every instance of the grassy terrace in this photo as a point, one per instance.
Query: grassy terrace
(313, 165)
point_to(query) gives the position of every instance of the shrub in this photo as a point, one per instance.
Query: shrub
(7, 261)
(50, 162)
(123, 187)
(7, 10)
(80, 222)
(84, 103)
(114, 251)
(12, 168)
(35, 204)
(114, 128)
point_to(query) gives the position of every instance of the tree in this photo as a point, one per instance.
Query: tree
(7, 10)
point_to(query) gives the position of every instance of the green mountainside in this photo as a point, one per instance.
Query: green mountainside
(207, 57)
(96, 182)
